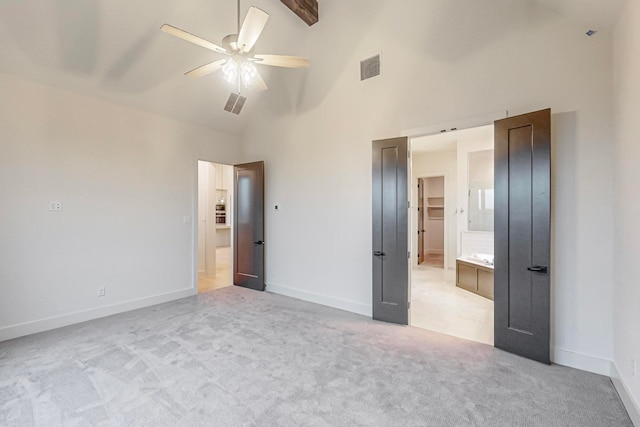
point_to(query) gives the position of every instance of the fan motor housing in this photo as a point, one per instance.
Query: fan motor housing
(230, 42)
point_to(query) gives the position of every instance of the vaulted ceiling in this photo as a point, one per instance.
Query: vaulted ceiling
(113, 49)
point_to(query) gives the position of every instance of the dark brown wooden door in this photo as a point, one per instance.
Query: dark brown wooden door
(522, 235)
(420, 220)
(248, 221)
(390, 231)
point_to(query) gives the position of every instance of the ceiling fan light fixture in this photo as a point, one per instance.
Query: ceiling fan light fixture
(248, 72)
(238, 68)
(230, 70)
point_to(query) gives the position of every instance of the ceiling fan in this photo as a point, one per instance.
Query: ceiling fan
(238, 66)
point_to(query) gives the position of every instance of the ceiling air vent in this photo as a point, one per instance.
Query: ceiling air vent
(235, 103)
(370, 67)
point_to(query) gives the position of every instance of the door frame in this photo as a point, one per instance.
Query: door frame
(413, 197)
(194, 224)
(434, 129)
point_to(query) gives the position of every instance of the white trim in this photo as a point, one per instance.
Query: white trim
(352, 306)
(584, 362)
(196, 272)
(54, 322)
(470, 122)
(600, 366)
(632, 407)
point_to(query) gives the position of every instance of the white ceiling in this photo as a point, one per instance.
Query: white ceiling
(113, 49)
(600, 15)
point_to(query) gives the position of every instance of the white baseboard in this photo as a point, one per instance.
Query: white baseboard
(584, 362)
(54, 322)
(328, 301)
(632, 406)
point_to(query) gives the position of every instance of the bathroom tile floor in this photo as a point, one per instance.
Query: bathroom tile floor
(434, 260)
(438, 305)
(222, 277)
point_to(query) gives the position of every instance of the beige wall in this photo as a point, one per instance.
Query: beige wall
(627, 201)
(126, 179)
(442, 61)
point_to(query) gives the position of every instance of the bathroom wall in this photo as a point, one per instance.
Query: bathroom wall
(482, 140)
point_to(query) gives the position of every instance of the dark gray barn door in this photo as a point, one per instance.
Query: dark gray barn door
(390, 231)
(248, 235)
(522, 234)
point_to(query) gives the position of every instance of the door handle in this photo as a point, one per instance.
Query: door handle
(538, 269)
(259, 242)
(378, 253)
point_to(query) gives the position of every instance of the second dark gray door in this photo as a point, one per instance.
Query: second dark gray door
(390, 231)
(522, 235)
(248, 237)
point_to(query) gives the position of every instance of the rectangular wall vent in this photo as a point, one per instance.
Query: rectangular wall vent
(370, 67)
(235, 103)
(239, 104)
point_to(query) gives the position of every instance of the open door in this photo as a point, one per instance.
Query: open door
(420, 220)
(390, 231)
(248, 236)
(522, 235)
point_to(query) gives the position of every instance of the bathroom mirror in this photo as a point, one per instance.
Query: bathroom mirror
(480, 172)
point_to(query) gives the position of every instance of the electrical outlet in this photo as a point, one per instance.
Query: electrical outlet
(55, 206)
(102, 291)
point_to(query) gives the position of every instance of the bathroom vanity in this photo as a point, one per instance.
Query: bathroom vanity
(475, 277)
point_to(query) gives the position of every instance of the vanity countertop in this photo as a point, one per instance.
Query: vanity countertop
(475, 261)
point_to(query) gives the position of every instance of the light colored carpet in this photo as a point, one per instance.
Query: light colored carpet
(235, 357)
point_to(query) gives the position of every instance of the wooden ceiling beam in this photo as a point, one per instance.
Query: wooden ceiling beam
(307, 10)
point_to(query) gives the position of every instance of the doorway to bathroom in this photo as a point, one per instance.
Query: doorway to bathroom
(431, 221)
(215, 225)
(452, 233)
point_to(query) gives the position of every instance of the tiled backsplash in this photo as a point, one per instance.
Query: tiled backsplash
(476, 242)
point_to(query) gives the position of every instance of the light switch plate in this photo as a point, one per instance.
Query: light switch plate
(55, 206)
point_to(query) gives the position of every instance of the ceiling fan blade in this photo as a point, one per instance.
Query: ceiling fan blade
(177, 32)
(251, 28)
(282, 61)
(206, 69)
(259, 83)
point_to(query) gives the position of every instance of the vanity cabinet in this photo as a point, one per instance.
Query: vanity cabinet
(475, 278)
